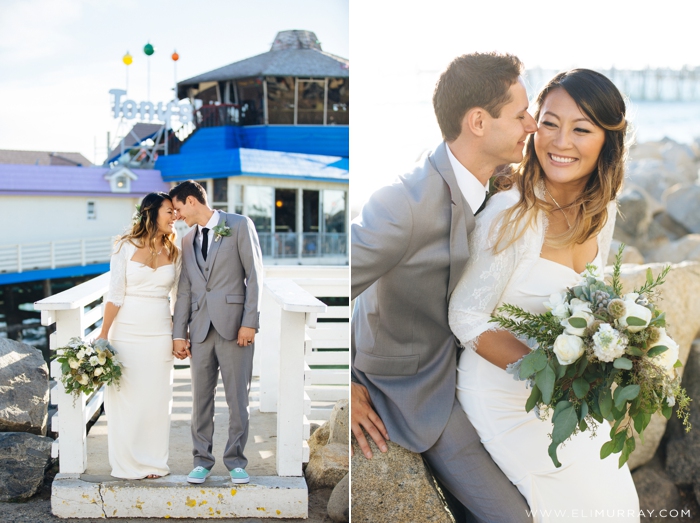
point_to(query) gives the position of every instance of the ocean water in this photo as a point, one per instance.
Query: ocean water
(652, 121)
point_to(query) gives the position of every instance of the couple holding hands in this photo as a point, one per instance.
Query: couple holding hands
(200, 302)
(429, 371)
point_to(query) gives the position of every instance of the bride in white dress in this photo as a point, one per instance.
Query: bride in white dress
(144, 271)
(533, 239)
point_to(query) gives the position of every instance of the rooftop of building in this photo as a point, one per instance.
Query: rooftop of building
(293, 53)
(16, 157)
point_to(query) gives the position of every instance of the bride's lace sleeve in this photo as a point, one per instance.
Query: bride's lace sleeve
(606, 234)
(117, 273)
(484, 279)
(173, 291)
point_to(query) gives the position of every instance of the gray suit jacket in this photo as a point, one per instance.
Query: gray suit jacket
(228, 293)
(409, 249)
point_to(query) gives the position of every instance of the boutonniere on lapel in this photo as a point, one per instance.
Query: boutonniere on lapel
(220, 231)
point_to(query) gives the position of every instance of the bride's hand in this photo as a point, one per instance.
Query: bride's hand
(363, 416)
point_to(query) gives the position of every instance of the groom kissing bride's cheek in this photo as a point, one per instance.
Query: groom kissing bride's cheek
(428, 368)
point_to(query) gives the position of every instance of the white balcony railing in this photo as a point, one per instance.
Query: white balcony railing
(288, 312)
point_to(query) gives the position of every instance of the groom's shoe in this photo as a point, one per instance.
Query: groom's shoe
(198, 475)
(239, 476)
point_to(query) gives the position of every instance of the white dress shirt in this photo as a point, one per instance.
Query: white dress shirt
(472, 189)
(213, 222)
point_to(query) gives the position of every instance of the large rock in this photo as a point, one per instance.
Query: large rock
(340, 423)
(24, 388)
(683, 448)
(394, 487)
(629, 255)
(655, 489)
(319, 438)
(327, 466)
(636, 212)
(679, 297)
(339, 502)
(23, 461)
(680, 159)
(683, 205)
(686, 248)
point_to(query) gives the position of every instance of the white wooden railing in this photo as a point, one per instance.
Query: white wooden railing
(50, 255)
(288, 313)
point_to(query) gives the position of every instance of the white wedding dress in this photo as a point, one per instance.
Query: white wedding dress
(584, 486)
(138, 410)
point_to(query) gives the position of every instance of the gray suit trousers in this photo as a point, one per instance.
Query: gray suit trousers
(462, 465)
(236, 365)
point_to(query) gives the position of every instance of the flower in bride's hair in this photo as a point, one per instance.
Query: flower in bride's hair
(136, 218)
(608, 343)
(568, 348)
(558, 305)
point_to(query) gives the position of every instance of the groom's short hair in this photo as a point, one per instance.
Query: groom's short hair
(189, 188)
(473, 80)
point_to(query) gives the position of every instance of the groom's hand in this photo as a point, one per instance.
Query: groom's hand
(363, 416)
(181, 349)
(246, 336)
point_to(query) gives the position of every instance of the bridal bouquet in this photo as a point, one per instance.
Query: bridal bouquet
(86, 366)
(600, 354)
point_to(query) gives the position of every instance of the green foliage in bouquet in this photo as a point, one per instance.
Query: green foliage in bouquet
(86, 366)
(600, 355)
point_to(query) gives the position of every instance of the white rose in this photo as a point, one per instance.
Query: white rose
(90, 351)
(608, 343)
(83, 379)
(635, 310)
(569, 329)
(568, 348)
(74, 364)
(94, 360)
(668, 358)
(98, 371)
(557, 304)
(81, 354)
(102, 358)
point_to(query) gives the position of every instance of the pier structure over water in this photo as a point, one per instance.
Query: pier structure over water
(660, 84)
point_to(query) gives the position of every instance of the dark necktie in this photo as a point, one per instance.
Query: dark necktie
(481, 208)
(205, 242)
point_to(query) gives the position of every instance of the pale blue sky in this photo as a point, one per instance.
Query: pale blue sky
(60, 58)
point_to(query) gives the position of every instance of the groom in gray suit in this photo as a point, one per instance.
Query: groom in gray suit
(409, 249)
(218, 298)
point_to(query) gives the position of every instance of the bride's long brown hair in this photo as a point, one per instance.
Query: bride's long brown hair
(144, 230)
(601, 101)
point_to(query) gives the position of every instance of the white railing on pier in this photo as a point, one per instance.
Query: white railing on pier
(326, 354)
(50, 255)
(295, 311)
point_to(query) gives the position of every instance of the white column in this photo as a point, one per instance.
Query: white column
(72, 437)
(290, 407)
(268, 347)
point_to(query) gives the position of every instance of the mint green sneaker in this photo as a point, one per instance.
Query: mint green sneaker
(239, 476)
(198, 475)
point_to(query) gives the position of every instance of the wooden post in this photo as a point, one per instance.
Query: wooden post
(290, 410)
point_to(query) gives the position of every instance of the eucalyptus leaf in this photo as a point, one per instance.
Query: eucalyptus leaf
(584, 411)
(532, 363)
(606, 449)
(622, 363)
(656, 350)
(545, 381)
(666, 411)
(619, 441)
(535, 397)
(635, 351)
(625, 394)
(582, 425)
(578, 323)
(677, 364)
(581, 388)
(635, 322)
(565, 424)
(581, 365)
(553, 454)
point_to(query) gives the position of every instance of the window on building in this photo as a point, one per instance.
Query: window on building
(310, 102)
(250, 97)
(238, 199)
(280, 99)
(258, 206)
(120, 182)
(310, 219)
(285, 210)
(220, 196)
(91, 211)
(333, 211)
(338, 100)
